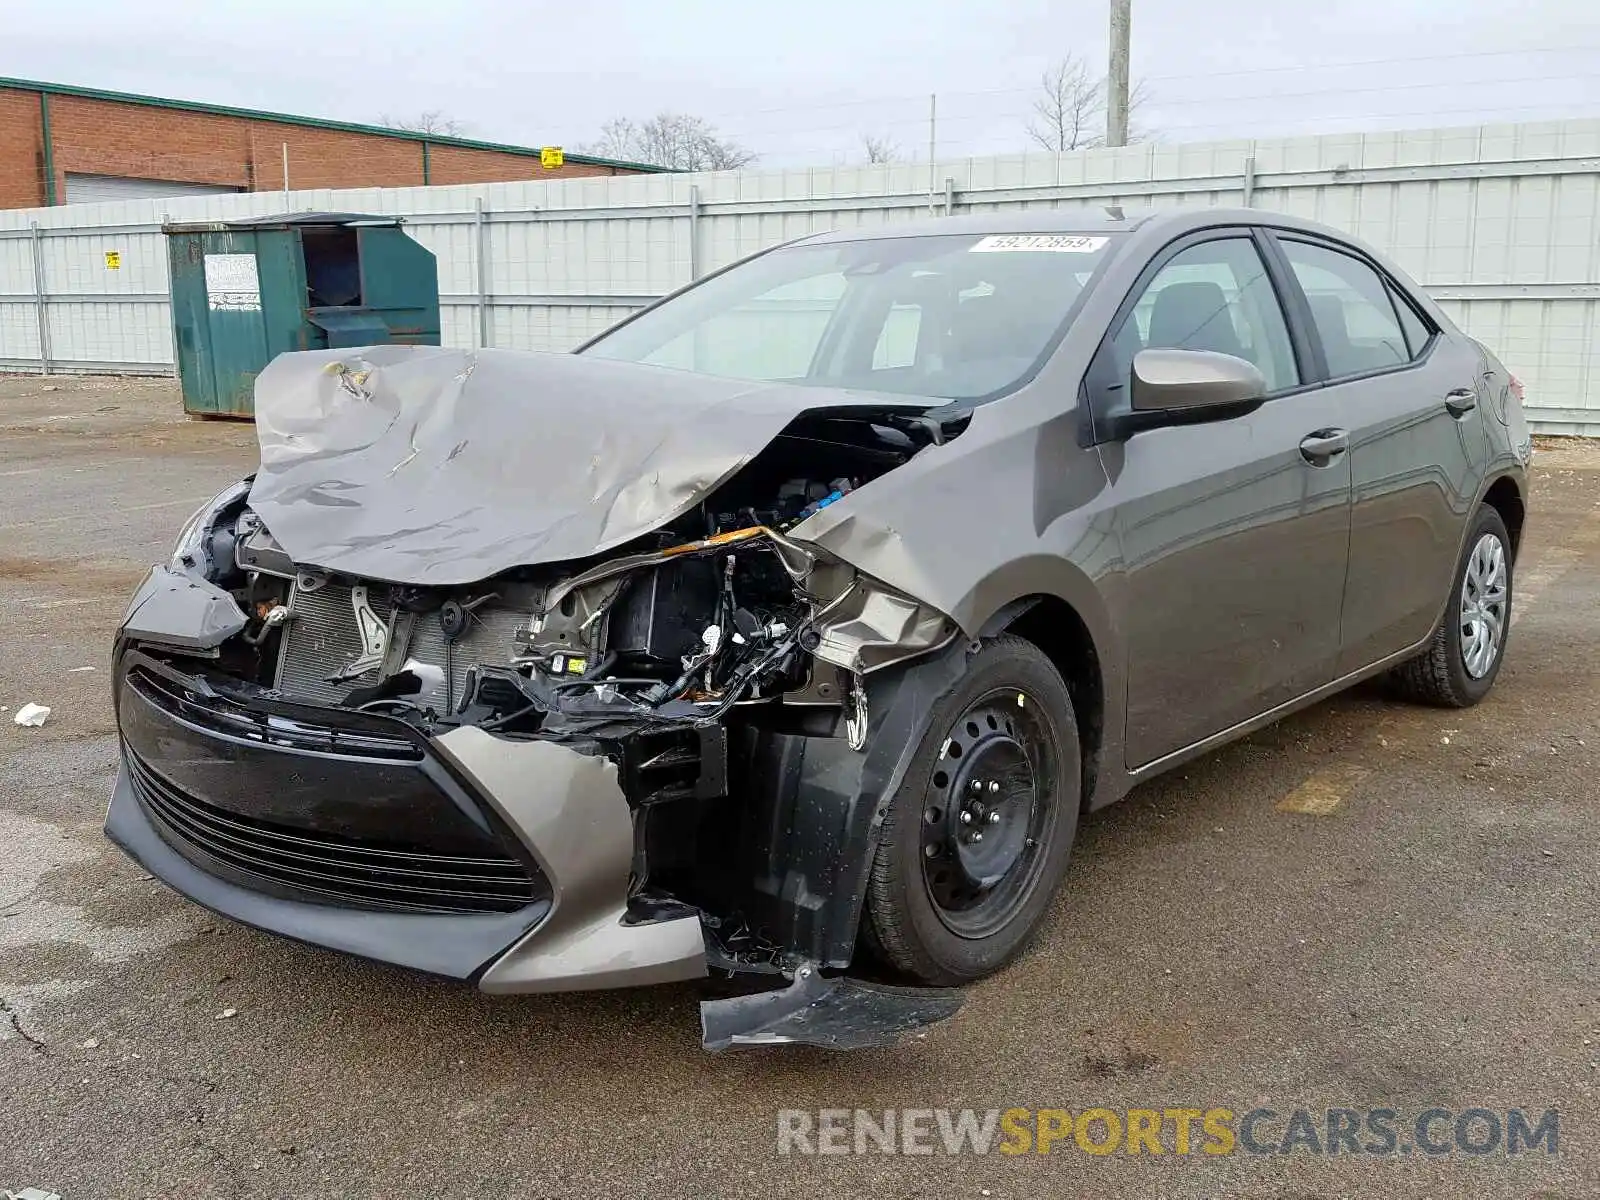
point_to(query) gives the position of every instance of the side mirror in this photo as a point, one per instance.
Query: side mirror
(1185, 382)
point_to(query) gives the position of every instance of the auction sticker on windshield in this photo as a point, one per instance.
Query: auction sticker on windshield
(1053, 243)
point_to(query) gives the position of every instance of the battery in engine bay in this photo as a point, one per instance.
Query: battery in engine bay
(663, 611)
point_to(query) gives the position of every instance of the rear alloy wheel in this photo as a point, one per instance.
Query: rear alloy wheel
(977, 837)
(1485, 601)
(1464, 655)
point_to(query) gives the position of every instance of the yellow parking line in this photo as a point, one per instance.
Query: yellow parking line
(1322, 793)
(1554, 565)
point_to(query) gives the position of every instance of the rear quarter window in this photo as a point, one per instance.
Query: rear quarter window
(1418, 332)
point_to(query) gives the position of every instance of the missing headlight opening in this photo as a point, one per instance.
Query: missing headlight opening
(704, 660)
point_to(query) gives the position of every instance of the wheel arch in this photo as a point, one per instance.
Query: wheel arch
(1504, 495)
(820, 819)
(1057, 627)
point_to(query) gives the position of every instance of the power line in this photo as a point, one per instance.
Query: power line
(1384, 62)
(981, 144)
(1158, 101)
(1380, 88)
(1488, 114)
(920, 98)
(752, 134)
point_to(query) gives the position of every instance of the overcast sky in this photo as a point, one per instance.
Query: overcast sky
(801, 82)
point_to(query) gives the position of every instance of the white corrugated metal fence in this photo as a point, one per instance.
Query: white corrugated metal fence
(1500, 223)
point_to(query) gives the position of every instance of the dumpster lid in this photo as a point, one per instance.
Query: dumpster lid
(349, 326)
(285, 221)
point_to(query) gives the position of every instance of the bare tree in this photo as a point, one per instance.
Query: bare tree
(1137, 95)
(880, 148)
(1069, 111)
(670, 139)
(433, 121)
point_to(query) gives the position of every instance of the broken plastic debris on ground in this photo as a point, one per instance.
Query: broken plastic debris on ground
(31, 714)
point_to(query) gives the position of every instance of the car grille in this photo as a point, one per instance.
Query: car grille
(238, 721)
(322, 639)
(321, 868)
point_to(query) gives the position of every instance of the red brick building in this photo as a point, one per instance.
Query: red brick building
(61, 144)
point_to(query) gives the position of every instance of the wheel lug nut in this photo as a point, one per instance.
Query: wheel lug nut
(994, 785)
(966, 817)
(978, 836)
(994, 818)
(977, 785)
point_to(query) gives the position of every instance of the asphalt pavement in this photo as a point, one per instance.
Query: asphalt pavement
(1367, 906)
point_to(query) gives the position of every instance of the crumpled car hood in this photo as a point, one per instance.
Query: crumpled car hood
(417, 464)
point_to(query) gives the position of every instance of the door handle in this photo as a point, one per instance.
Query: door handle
(1461, 401)
(1322, 447)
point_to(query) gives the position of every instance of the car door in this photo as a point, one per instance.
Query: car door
(1233, 533)
(1408, 395)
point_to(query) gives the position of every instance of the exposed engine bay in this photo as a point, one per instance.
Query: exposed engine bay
(720, 608)
(673, 656)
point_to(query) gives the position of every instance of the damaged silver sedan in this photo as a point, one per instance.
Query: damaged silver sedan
(793, 622)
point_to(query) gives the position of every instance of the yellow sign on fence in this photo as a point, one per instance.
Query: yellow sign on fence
(113, 260)
(551, 157)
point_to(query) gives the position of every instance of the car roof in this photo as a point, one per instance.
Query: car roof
(1033, 220)
(1099, 219)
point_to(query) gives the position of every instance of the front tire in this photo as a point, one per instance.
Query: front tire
(1463, 658)
(977, 836)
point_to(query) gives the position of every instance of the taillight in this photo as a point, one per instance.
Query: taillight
(1516, 388)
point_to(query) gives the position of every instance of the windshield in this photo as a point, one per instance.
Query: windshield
(963, 316)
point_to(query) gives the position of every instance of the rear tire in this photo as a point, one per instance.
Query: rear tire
(977, 837)
(1464, 655)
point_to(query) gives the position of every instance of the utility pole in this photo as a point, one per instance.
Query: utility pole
(1117, 76)
(933, 145)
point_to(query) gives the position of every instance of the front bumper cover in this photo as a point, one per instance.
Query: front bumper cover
(454, 945)
(209, 780)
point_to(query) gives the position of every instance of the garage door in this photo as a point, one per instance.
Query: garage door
(92, 189)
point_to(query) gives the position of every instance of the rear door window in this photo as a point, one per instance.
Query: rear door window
(1352, 309)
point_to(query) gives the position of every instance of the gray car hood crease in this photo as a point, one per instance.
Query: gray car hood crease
(432, 466)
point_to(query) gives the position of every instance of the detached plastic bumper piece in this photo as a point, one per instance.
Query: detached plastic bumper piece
(835, 1013)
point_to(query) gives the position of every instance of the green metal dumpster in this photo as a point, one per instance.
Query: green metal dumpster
(244, 292)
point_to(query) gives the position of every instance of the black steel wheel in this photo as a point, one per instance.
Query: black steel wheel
(977, 836)
(986, 815)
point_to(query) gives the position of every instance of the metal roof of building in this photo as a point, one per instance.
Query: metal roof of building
(223, 110)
